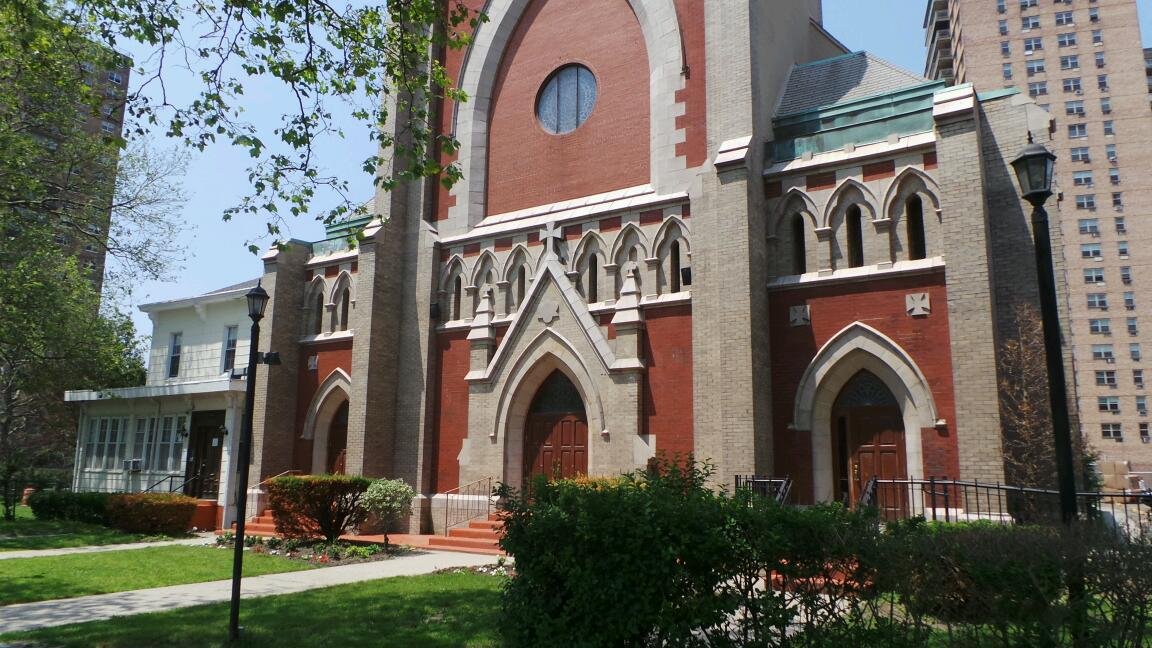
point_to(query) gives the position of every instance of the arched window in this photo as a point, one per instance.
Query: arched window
(593, 280)
(457, 293)
(317, 324)
(799, 254)
(345, 304)
(914, 224)
(674, 266)
(521, 285)
(853, 221)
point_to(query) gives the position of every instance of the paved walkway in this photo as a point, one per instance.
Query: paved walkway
(29, 616)
(201, 539)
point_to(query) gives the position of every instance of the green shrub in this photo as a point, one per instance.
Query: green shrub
(151, 513)
(317, 505)
(66, 505)
(389, 500)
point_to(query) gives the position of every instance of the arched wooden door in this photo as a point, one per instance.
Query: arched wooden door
(870, 443)
(337, 440)
(556, 432)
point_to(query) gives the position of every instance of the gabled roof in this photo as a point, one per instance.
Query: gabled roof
(841, 78)
(219, 294)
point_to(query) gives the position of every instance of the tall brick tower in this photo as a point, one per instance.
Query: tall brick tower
(1083, 61)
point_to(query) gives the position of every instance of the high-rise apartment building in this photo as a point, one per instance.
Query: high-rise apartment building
(1083, 61)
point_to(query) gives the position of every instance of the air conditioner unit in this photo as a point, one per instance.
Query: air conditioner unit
(1145, 439)
(133, 465)
(1126, 281)
(1110, 360)
(1130, 307)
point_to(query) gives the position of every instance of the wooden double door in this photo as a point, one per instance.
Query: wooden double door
(870, 442)
(556, 445)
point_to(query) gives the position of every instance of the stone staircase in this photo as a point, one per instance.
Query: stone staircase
(261, 525)
(480, 536)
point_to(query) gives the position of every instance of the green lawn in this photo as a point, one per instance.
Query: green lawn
(27, 532)
(56, 577)
(439, 610)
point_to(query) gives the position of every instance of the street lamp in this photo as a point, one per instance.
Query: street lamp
(1033, 169)
(257, 302)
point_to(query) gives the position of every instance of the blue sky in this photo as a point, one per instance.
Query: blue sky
(216, 251)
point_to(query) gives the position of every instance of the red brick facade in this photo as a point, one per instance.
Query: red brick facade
(330, 356)
(668, 381)
(880, 304)
(529, 166)
(450, 407)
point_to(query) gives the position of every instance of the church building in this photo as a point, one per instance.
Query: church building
(684, 228)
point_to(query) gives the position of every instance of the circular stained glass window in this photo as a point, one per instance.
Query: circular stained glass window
(566, 100)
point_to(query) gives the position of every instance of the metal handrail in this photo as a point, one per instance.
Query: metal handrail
(470, 508)
(179, 487)
(286, 472)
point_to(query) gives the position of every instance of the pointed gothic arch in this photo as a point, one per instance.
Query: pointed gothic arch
(859, 347)
(850, 212)
(912, 204)
(629, 250)
(333, 393)
(587, 265)
(516, 277)
(792, 230)
(452, 280)
(673, 252)
(794, 200)
(342, 298)
(315, 306)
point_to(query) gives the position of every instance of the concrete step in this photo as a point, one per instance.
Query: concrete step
(463, 544)
(486, 524)
(478, 534)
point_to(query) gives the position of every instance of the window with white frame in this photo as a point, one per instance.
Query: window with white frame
(104, 443)
(1071, 84)
(1005, 48)
(1142, 404)
(1114, 176)
(1090, 251)
(1106, 378)
(1110, 152)
(174, 350)
(115, 77)
(1029, 22)
(1134, 351)
(1037, 88)
(1064, 18)
(1006, 71)
(1082, 179)
(1109, 127)
(1108, 404)
(1067, 39)
(231, 334)
(1106, 105)
(1093, 275)
(1071, 62)
(1144, 435)
(1121, 225)
(1079, 154)
(1126, 274)
(1097, 37)
(1034, 44)
(1028, 4)
(1093, 14)
(1098, 301)
(1133, 326)
(1112, 431)
(1122, 249)
(1003, 25)
(159, 443)
(1100, 326)
(1099, 59)
(1138, 377)
(1102, 352)
(1130, 301)
(1086, 201)
(1074, 108)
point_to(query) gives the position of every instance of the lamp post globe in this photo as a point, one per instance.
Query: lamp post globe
(1034, 166)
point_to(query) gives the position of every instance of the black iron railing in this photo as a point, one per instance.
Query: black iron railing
(776, 488)
(467, 502)
(948, 500)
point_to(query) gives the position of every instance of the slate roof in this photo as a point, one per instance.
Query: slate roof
(251, 283)
(842, 78)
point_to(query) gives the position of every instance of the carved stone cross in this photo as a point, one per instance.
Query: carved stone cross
(548, 312)
(552, 237)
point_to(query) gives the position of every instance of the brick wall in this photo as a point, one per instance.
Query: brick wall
(667, 390)
(528, 166)
(879, 304)
(450, 418)
(329, 357)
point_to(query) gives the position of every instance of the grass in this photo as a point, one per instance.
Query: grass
(26, 532)
(434, 611)
(57, 577)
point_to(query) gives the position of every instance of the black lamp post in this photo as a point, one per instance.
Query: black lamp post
(257, 302)
(1034, 168)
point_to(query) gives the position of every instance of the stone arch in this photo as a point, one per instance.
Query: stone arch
(913, 182)
(860, 347)
(516, 277)
(781, 234)
(630, 239)
(548, 352)
(849, 194)
(453, 303)
(587, 267)
(334, 391)
(486, 263)
(673, 252)
(455, 265)
(315, 306)
(478, 78)
(341, 319)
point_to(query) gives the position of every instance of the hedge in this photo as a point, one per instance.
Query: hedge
(317, 505)
(151, 513)
(66, 505)
(658, 558)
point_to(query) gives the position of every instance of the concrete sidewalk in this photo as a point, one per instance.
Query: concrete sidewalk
(201, 539)
(29, 616)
